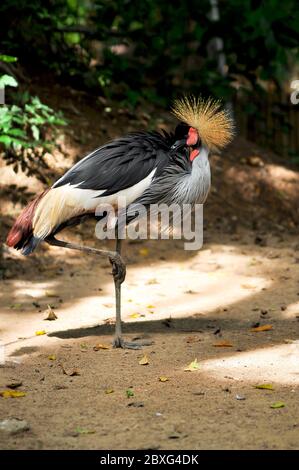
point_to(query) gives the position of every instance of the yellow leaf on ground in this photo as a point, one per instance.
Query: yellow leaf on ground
(151, 282)
(84, 431)
(261, 328)
(40, 333)
(16, 306)
(109, 390)
(51, 294)
(264, 386)
(12, 394)
(150, 306)
(144, 251)
(52, 357)
(278, 404)
(163, 379)
(144, 361)
(99, 346)
(135, 315)
(223, 344)
(194, 365)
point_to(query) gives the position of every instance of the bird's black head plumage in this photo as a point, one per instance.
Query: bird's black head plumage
(181, 131)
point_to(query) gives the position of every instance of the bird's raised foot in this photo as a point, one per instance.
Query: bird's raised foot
(121, 343)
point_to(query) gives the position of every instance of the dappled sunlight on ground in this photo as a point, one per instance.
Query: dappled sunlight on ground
(213, 280)
(275, 364)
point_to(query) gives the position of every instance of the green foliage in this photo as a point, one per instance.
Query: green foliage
(7, 80)
(27, 131)
(154, 49)
(7, 58)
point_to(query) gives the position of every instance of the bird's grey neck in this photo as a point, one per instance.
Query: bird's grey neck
(194, 186)
(202, 160)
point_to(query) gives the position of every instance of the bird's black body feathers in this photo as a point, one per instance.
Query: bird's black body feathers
(121, 163)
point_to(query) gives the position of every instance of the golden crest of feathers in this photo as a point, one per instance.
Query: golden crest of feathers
(215, 126)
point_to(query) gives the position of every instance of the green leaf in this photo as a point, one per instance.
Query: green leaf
(7, 80)
(129, 393)
(135, 26)
(17, 132)
(6, 140)
(8, 58)
(277, 404)
(80, 430)
(194, 365)
(35, 132)
(264, 386)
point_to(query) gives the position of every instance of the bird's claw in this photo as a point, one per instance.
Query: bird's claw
(119, 342)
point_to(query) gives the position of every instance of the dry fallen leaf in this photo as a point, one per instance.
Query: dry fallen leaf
(14, 384)
(71, 373)
(109, 390)
(74, 373)
(223, 344)
(144, 251)
(264, 386)
(51, 314)
(163, 379)
(52, 357)
(144, 361)
(99, 346)
(194, 365)
(247, 286)
(278, 404)
(261, 328)
(12, 394)
(150, 306)
(40, 333)
(192, 339)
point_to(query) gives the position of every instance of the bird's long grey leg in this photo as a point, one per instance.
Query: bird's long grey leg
(118, 279)
(119, 274)
(113, 256)
(118, 341)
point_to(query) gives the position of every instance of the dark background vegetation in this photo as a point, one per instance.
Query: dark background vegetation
(246, 53)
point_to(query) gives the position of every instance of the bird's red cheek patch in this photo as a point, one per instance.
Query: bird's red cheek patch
(192, 136)
(194, 154)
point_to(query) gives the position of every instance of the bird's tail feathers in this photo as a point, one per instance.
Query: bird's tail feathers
(21, 234)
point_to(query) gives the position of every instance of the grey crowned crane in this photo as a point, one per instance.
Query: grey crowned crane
(142, 167)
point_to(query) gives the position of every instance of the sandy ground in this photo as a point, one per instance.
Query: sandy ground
(186, 302)
(208, 297)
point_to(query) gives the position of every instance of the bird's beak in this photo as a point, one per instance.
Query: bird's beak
(178, 144)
